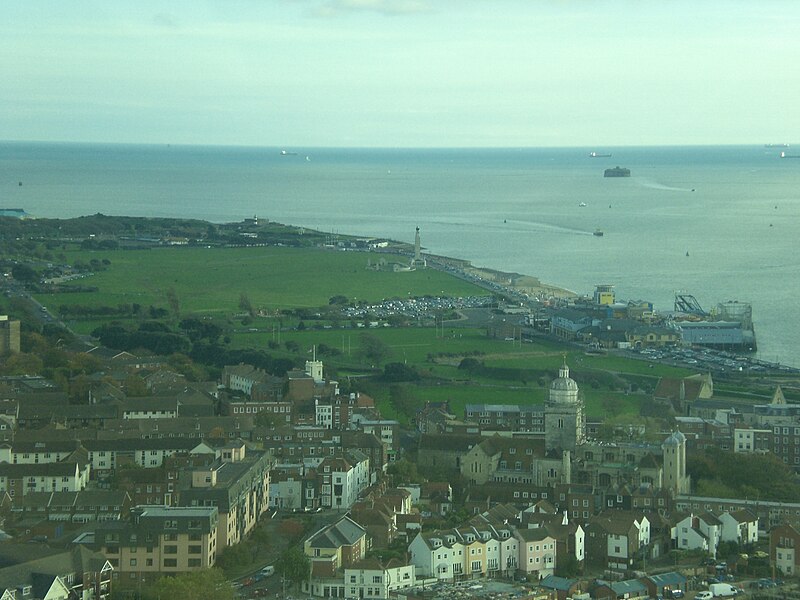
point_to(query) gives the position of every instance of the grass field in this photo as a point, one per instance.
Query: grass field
(211, 281)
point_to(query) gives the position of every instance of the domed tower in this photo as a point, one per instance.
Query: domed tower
(563, 413)
(674, 449)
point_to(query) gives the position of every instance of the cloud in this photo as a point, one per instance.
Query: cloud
(389, 8)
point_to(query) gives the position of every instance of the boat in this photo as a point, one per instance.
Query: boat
(598, 155)
(617, 172)
(582, 204)
(285, 153)
(598, 232)
(784, 155)
(776, 145)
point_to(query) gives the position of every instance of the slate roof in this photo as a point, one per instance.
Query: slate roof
(345, 532)
(671, 579)
(553, 582)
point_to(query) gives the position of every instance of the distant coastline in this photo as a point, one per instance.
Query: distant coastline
(511, 210)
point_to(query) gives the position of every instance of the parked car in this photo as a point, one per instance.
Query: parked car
(706, 595)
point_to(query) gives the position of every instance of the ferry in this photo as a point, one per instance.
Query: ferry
(598, 232)
(598, 155)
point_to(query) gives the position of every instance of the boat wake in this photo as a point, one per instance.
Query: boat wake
(515, 226)
(654, 185)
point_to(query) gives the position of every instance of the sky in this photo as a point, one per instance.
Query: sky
(401, 73)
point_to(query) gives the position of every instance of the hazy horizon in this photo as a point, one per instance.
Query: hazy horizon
(402, 73)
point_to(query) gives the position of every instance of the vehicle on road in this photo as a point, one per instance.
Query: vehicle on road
(723, 590)
(705, 595)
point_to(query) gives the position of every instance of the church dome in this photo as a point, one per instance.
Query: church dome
(675, 440)
(563, 389)
(564, 384)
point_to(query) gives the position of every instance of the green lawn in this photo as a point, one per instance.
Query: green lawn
(211, 281)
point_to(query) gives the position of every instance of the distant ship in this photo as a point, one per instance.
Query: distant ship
(582, 204)
(285, 153)
(617, 172)
(597, 155)
(598, 232)
(776, 145)
(784, 155)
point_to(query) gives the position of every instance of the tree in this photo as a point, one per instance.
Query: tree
(294, 565)
(174, 303)
(24, 273)
(22, 363)
(245, 304)
(396, 371)
(232, 558)
(208, 584)
(135, 386)
(374, 348)
(403, 400)
(404, 471)
(469, 364)
(568, 566)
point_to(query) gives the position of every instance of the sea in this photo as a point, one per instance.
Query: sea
(721, 223)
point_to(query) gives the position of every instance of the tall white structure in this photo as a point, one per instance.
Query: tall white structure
(564, 424)
(417, 261)
(314, 370)
(674, 449)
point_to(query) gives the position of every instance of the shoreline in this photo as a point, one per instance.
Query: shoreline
(516, 283)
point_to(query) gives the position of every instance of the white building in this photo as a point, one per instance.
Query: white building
(370, 578)
(343, 479)
(21, 479)
(698, 532)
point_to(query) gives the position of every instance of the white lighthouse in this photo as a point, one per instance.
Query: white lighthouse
(417, 261)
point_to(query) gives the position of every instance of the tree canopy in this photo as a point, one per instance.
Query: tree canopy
(209, 584)
(736, 475)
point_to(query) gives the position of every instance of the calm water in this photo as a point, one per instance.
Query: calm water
(734, 210)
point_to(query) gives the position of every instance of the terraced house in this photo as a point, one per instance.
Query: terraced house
(478, 550)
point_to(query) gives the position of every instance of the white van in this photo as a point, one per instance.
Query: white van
(267, 571)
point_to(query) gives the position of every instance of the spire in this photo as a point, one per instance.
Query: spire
(777, 397)
(563, 372)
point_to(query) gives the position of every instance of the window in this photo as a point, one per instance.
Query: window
(195, 562)
(170, 549)
(170, 562)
